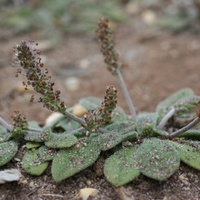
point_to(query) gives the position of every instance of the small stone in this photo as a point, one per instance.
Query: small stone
(25, 181)
(10, 175)
(85, 193)
(17, 159)
(53, 118)
(89, 183)
(72, 83)
(79, 110)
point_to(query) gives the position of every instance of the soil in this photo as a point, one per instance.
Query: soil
(158, 64)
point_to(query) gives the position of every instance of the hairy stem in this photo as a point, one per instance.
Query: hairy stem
(76, 131)
(126, 94)
(165, 119)
(185, 128)
(73, 117)
(5, 124)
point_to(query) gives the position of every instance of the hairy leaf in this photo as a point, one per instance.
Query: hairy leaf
(119, 132)
(5, 135)
(90, 103)
(68, 162)
(38, 136)
(119, 168)
(7, 151)
(32, 163)
(164, 105)
(31, 145)
(146, 120)
(61, 140)
(67, 125)
(191, 134)
(156, 159)
(46, 153)
(192, 143)
(118, 114)
(150, 131)
(186, 105)
(188, 154)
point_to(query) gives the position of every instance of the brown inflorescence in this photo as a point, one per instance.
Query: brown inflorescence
(27, 59)
(95, 119)
(109, 103)
(19, 120)
(106, 40)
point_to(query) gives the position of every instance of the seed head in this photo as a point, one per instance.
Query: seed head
(28, 61)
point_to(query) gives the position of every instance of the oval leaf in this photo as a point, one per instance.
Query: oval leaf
(186, 105)
(156, 159)
(32, 163)
(146, 119)
(38, 136)
(68, 162)
(46, 153)
(191, 134)
(188, 154)
(7, 151)
(31, 145)
(118, 114)
(4, 134)
(119, 168)
(164, 105)
(61, 141)
(120, 131)
(90, 103)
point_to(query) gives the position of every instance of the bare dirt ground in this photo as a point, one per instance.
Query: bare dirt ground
(159, 63)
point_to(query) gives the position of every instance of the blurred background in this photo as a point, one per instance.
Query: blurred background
(158, 39)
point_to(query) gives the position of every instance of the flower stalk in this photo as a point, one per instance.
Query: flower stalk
(111, 58)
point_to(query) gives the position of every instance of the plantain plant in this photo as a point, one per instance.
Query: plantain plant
(152, 144)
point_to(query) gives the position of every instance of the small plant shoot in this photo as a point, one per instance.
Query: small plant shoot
(153, 144)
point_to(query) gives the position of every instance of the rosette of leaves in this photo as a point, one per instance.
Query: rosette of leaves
(142, 143)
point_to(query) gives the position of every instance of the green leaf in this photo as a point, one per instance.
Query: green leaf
(192, 143)
(186, 105)
(38, 136)
(61, 140)
(32, 163)
(164, 106)
(4, 134)
(7, 151)
(118, 114)
(146, 120)
(68, 162)
(156, 159)
(34, 124)
(121, 126)
(90, 103)
(67, 124)
(150, 131)
(188, 154)
(191, 134)
(119, 132)
(46, 153)
(119, 168)
(31, 145)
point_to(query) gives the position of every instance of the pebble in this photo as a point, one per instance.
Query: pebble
(53, 118)
(9, 175)
(79, 110)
